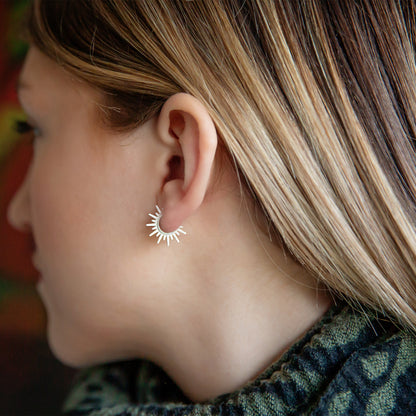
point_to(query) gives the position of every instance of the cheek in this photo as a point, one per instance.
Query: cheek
(56, 207)
(67, 219)
(85, 220)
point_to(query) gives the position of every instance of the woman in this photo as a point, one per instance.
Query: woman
(272, 144)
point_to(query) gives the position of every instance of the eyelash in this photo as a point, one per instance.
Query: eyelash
(23, 127)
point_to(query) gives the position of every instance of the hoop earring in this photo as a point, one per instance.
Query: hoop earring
(156, 230)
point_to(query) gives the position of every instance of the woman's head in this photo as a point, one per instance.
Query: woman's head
(312, 102)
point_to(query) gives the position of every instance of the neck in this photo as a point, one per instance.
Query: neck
(252, 301)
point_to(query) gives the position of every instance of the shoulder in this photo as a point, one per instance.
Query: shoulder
(354, 362)
(377, 379)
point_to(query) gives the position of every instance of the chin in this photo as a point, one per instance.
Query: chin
(66, 354)
(72, 349)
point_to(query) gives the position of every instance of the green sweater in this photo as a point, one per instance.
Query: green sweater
(350, 363)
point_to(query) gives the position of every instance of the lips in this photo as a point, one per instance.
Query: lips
(35, 262)
(32, 243)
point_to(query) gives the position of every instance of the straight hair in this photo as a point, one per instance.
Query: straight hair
(313, 100)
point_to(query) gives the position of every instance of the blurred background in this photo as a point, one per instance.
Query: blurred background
(32, 381)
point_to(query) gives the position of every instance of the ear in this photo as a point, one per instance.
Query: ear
(186, 127)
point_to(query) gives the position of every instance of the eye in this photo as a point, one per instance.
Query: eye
(23, 127)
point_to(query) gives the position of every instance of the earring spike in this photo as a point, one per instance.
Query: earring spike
(157, 230)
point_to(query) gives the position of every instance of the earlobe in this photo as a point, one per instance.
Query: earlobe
(187, 128)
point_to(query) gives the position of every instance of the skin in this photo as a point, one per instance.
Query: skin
(214, 310)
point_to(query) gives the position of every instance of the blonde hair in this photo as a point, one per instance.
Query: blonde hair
(315, 101)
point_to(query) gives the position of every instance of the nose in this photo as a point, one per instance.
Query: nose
(18, 212)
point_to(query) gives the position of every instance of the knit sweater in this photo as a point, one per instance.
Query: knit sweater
(350, 363)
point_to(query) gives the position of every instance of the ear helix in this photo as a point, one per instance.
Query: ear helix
(158, 232)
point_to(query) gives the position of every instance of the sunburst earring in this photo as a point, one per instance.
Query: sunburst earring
(158, 232)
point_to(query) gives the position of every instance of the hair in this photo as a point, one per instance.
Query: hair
(314, 101)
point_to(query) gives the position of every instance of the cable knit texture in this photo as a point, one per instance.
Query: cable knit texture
(350, 363)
